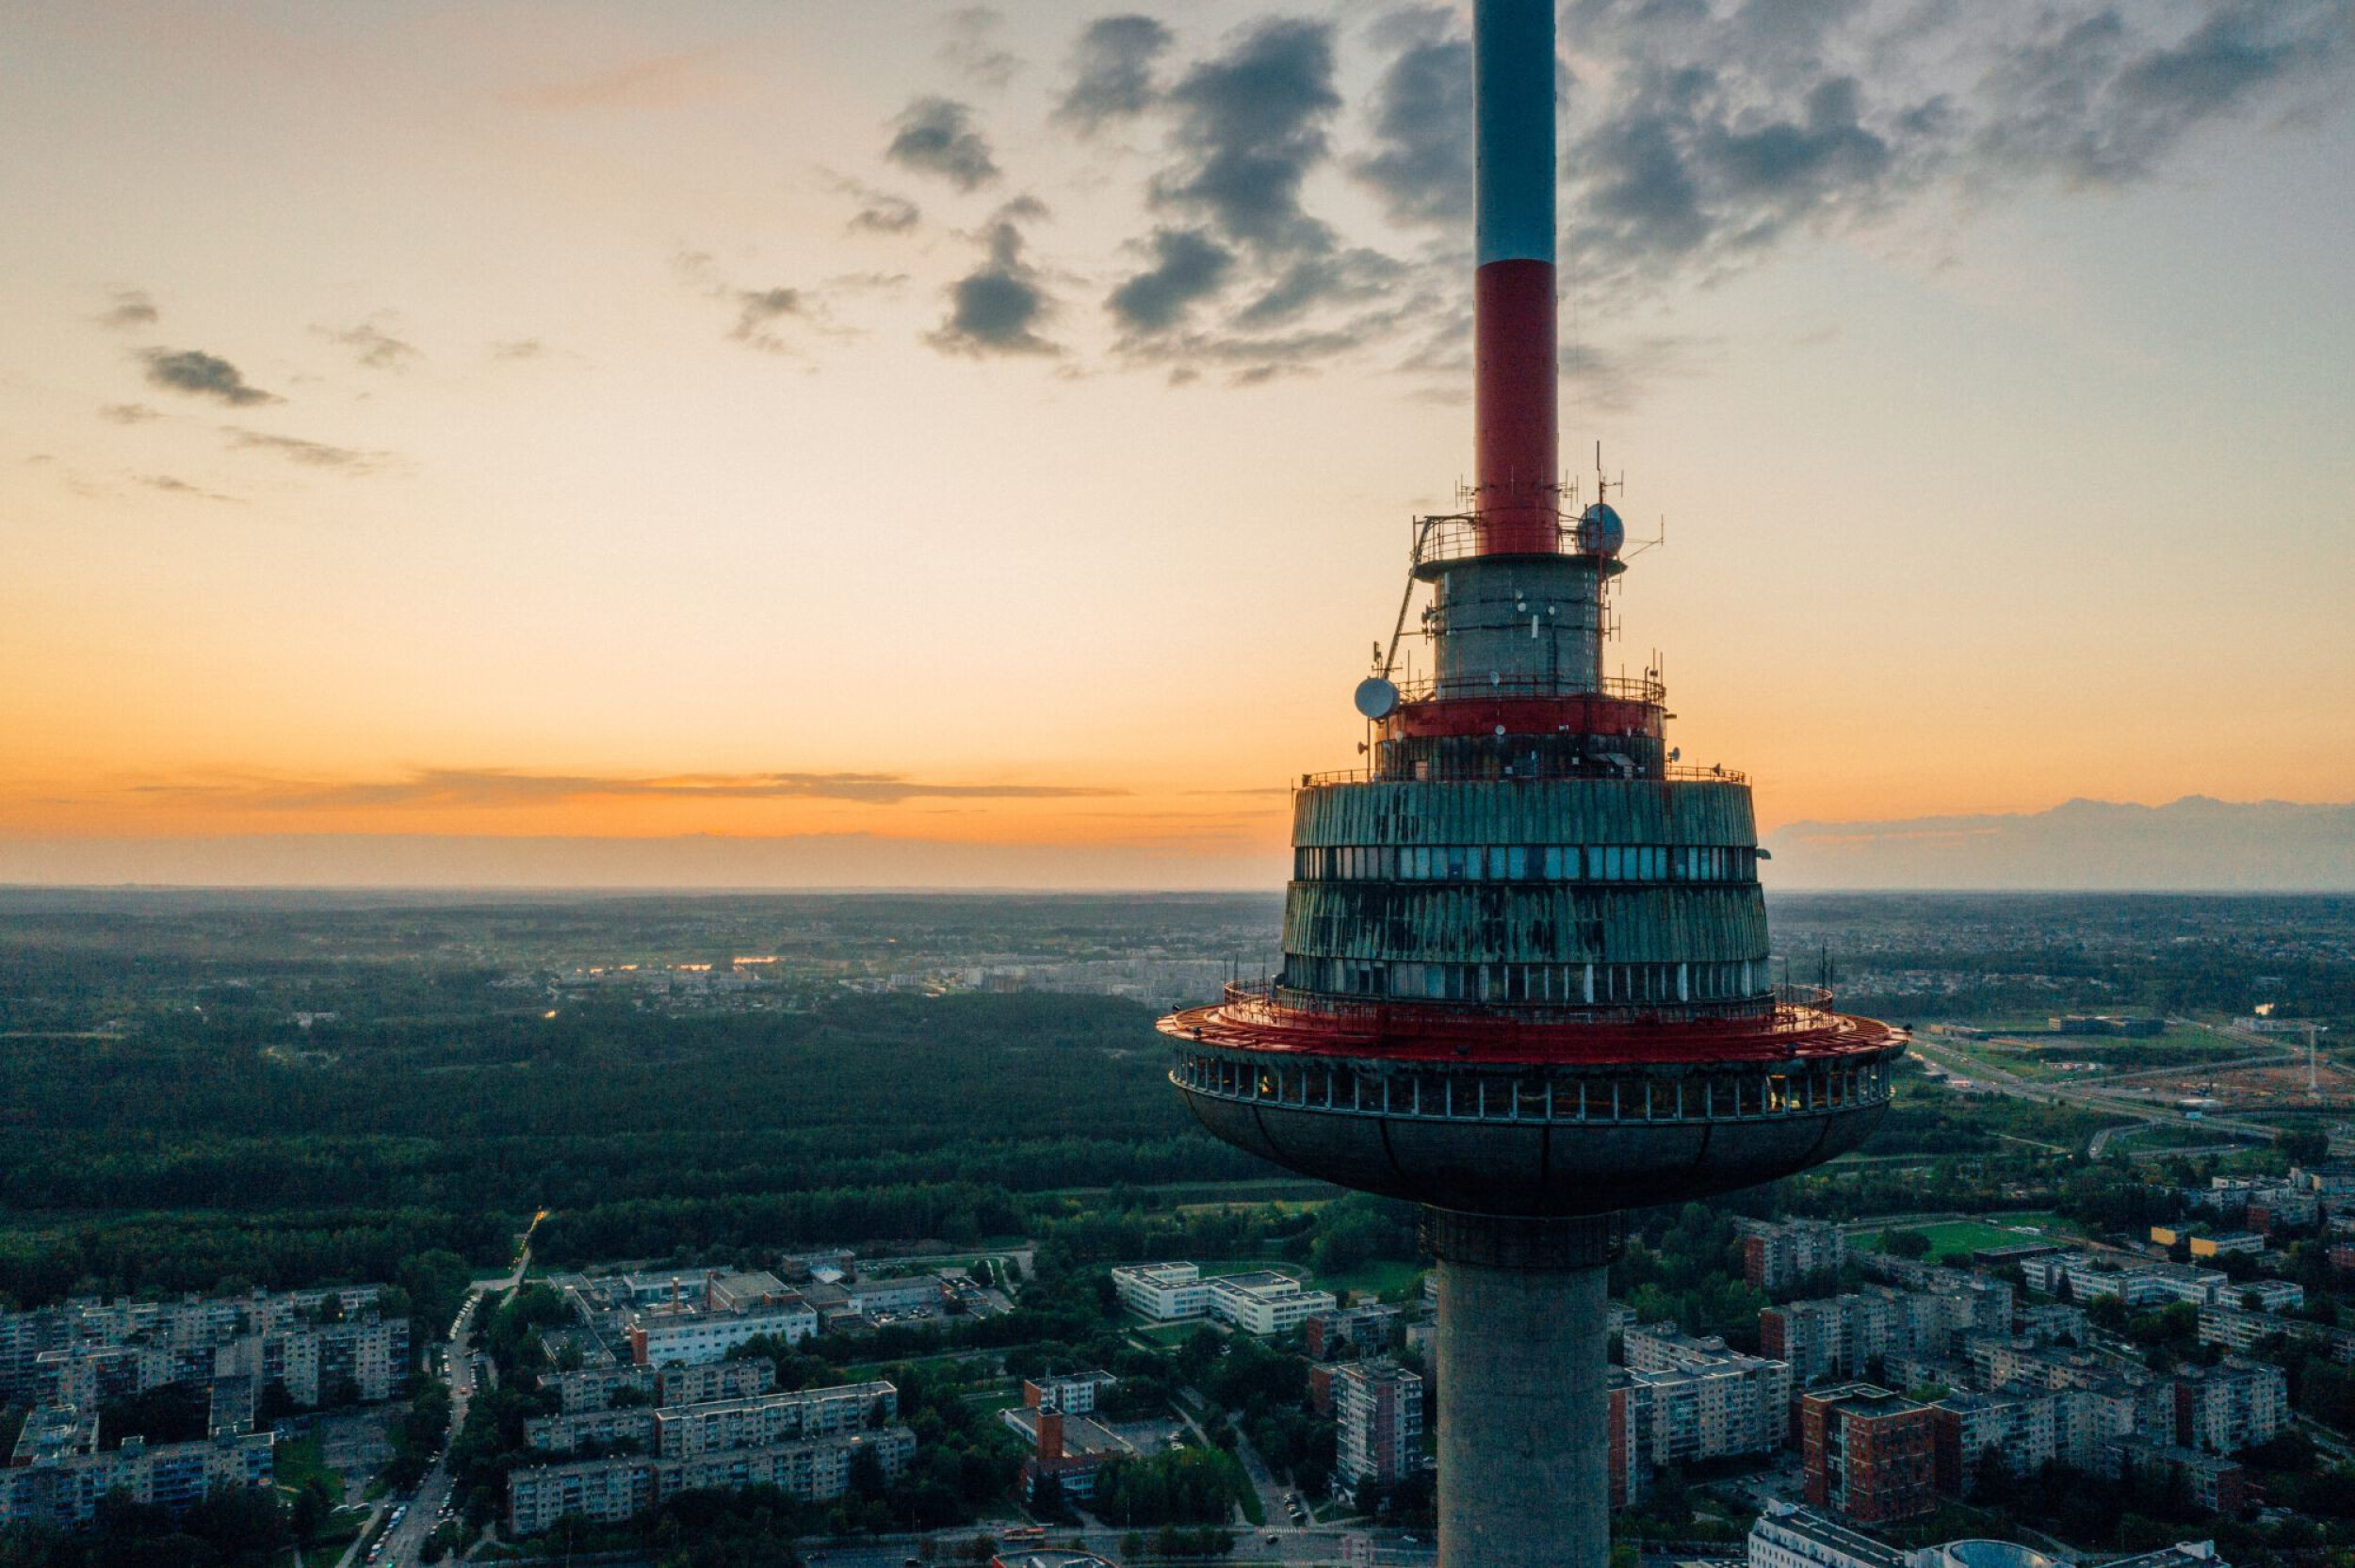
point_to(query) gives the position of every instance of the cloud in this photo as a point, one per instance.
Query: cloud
(660, 82)
(1112, 71)
(172, 486)
(885, 213)
(2087, 100)
(311, 454)
(973, 49)
(519, 348)
(127, 413)
(201, 375)
(997, 308)
(1706, 136)
(936, 136)
(1421, 162)
(1188, 266)
(371, 345)
(130, 307)
(758, 310)
(1252, 124)
(446, 788)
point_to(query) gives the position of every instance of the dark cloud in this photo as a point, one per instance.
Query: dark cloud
(127, 413)
(936, 136)
(1252, 124)
(1716, 131)
(1188, 266)
(311, 454)
(1328, 277)
(2091, 101)
(371, 345)
(1421, 162)
(999, 307)
(450, 787)
(1112, 71)
(974, 48)
(130, 307)
(201, 375)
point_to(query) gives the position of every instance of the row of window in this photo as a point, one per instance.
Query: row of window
(1552, 863)
(1532, 1095)
(1567, 984)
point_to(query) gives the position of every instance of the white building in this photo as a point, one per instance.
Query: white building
(1265, 1302)
(1788, 1536)
(1695, 1399)
(689, 1335)
(1164, 1292)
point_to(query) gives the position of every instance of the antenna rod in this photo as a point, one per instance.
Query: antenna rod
(1515, 397)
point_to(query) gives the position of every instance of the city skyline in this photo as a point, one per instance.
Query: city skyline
(916, 428)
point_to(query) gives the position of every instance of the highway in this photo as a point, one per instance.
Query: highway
(2083, 1096)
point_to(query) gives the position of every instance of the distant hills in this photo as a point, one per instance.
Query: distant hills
(2192, 845)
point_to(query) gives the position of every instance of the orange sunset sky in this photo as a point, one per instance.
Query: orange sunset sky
(999, 427)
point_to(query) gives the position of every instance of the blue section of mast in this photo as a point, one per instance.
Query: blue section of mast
(1512, 75)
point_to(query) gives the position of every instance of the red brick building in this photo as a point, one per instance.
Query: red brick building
(1868, 1455)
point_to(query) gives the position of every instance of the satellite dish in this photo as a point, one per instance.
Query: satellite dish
(1376, 698)
(1675, 753)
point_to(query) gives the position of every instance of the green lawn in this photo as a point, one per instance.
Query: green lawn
(1393, 1280)
(1954, 1238)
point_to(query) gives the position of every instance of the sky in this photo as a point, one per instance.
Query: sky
(968, 436)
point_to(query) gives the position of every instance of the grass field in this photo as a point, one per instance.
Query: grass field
(1392, 1280)
(1954, 1239)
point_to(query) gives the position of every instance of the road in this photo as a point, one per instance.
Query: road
(2084, 1097)
(404, 1544)
(1321, 1546)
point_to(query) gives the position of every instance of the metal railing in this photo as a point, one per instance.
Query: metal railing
(1794, 1010)
(1458, 536)
(1626, 689)
(1673, 773)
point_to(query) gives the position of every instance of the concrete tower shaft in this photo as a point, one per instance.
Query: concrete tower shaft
(1525, 977)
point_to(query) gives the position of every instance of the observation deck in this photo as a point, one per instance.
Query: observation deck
(1543, 1118)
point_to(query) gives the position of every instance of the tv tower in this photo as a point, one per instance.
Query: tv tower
(1525, 977)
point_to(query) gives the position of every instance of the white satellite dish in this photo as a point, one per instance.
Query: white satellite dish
(1376, 696)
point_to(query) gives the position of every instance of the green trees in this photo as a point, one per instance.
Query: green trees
(1184, 1486)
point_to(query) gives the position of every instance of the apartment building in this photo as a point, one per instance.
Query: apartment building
(2238, 1329)
(1867, 1454)
(1777, 1256)
(2022, 1427)
(1379, 1406)
(1072, 1393)
(60, 1489)
(2234, 1405)
(1701, 1399)
(609, 1490)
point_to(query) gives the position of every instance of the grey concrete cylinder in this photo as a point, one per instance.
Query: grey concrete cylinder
(1523, 1410)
